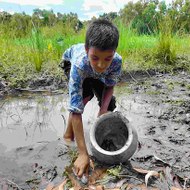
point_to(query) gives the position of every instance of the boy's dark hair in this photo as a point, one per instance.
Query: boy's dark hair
(102, 34)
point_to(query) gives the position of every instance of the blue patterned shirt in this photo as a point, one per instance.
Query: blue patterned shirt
(81, 69)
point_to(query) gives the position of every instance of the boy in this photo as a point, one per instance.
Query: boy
(92, 68)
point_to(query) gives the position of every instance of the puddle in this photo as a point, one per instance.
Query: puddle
(158, 112)
(24, 121)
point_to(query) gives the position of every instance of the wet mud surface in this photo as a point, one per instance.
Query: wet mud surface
(31, 129)
(161, 108)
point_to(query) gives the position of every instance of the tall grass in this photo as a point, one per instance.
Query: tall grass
(42, 49)
(157, 51)
(135, 48)
(38, 46)
(165, 52)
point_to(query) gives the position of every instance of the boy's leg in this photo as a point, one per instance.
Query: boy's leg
(87, 89)
(98, 88)
(66, 66)
(69, 134)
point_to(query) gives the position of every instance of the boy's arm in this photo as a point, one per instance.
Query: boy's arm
(82, 162)
(76, 109)
(110, 81)
(106, 98)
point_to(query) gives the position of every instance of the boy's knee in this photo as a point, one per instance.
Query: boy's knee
(87, 99)
(112, 104)
(66, 66)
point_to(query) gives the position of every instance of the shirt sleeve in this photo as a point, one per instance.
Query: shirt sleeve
(113, 76)
(75, 90)
(67, 55)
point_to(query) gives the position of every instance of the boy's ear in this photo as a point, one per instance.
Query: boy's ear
(86, 49)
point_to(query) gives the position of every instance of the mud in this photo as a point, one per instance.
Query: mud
(31, 128)
(110, 143)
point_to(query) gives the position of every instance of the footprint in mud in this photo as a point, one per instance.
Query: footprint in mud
(176, 140)
(42, 176)
(163, 127)
(151, 130)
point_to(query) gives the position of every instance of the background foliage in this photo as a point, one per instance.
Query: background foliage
(153, 35)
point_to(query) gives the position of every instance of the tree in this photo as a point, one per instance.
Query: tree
(141, 15)
(110, 16)
(20, 24)
(47, 16)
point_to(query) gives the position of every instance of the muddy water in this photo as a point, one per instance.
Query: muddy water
(31, 130)
(25, 121)
(31, 127)
(37, 119)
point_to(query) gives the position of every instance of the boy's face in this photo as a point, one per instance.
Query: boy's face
(100, 60)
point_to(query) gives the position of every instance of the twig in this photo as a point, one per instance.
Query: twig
(129, 176)
(1, 106)
(31, 90)
(105, 180)
(185, 183)
(13, 183)
(122, 106)
(133, 77)
(39, 90)
(63, 119)
(148, 73)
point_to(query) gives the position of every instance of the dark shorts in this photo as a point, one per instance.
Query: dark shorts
(90, 86)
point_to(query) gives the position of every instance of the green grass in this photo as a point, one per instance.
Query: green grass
(39, 53)
(26, 59)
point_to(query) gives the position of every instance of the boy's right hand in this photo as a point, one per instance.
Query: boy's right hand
(81, 165)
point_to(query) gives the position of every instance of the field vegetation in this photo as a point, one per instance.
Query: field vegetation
(153, 36)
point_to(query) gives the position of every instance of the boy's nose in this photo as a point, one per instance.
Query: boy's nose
(101, 65)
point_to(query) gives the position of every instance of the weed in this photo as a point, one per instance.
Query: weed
(174, 102)
(121, 89)
(153, 92)
(165, 52)
(72, 155)
(115, 171)
(188, 86)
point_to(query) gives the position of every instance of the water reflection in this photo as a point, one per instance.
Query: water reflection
(25, 121)
(31, 119)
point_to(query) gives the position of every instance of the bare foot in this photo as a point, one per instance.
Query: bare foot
(68, 140)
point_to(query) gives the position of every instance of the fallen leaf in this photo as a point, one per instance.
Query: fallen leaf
(92, 187)
(96, 174)
(121, 182)
(141, 171)
(171, 178)
(92, 164)
(99, 187)
(49, 187)
(76, 183)
(141, 187)
(58, 187)
(160, 160)
(150, 174)
(175, 188)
